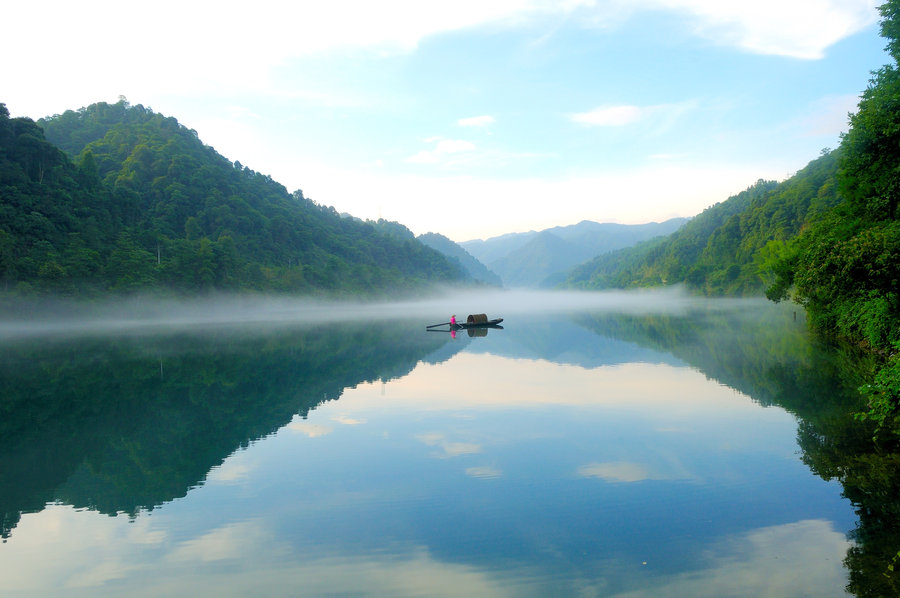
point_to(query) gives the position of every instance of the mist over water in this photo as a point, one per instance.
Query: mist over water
(147, 315)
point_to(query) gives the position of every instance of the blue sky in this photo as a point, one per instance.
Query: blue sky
(469, 118)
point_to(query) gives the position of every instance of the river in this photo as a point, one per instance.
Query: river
(640, 445)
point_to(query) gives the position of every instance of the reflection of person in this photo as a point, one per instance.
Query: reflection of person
(452, 333)
(453, 320)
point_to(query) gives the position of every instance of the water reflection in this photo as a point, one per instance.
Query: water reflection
(547, 458)
(127, 423)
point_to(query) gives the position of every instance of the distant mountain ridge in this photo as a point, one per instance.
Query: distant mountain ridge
(454, 251)
(543, 258)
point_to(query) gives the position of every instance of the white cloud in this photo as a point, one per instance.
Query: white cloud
(661, 116)
(608, 116)
(799, 28)
(453, 146)
(423, 157)
(476, 121)
(442, 149)
(222, 48)
(212, 47)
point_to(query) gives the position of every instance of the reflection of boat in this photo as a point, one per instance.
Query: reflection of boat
(480, 330)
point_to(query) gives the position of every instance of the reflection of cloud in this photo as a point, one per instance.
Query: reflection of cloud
(64, 551)
(451, 449)
(229, 471)
(484, 472)
(61, 547)
(347, 421)
(616, 472)
(99, 574)
(659, 389)
(311, 430)
(782, 552)
(233, 541)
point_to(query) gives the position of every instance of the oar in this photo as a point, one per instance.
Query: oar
(436, 325)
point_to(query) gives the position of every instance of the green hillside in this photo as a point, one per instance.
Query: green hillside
(729, 248)
(666, 260)
(115, 197)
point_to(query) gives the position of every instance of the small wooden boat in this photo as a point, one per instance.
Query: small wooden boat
(473, 321)
(485, 324)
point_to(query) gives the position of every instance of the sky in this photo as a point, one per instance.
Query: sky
(471, 118)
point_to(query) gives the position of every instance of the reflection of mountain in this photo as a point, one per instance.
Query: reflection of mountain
(767, 355)
(445, 352)
(559, 340)
(759, 349)
(122, 424)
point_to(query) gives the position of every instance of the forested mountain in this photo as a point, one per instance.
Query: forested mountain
(730, 247)
(140, 202)
(454, 251)
(543, 258)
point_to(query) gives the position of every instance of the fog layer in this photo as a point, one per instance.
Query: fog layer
(147, 315)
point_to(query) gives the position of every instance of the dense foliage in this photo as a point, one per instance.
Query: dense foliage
(143, 203)
(845, 268)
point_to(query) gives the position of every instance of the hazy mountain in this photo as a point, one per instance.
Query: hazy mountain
(488, 251)
(541, 258)
(454, 251)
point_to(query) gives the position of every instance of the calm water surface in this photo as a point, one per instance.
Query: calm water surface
(589, 453)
